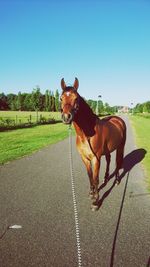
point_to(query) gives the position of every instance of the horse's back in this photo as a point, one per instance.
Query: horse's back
(115, 121)
(113, 131)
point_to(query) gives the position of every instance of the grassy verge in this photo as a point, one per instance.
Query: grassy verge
(11, 120)
(24, 116)
(17, 143)
(141, 127)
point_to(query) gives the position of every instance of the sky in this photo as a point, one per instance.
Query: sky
(105, 44)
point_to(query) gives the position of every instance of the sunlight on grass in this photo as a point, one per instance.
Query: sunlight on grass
(17, 143)
(142, 132)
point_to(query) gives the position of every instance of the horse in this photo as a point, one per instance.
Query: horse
(95, 137)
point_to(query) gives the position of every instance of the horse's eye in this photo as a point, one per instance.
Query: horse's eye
(60, 99)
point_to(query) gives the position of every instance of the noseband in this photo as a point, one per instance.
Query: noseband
(76, 105)
(75, 108)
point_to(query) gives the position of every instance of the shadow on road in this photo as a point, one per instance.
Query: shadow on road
(148, 263)
(133, 158)
(129, 162)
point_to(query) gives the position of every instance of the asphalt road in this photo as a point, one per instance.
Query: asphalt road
(35, 192)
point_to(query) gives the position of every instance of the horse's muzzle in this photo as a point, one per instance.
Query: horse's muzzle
(67, 118)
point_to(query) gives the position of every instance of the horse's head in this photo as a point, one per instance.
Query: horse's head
(69, 101)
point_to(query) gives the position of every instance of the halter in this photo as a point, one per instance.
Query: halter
(75, 108)
(76, 105)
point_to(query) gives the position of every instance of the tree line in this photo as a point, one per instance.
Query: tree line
(30, 101)
(100, 108)
(36, 101)
(142, 108)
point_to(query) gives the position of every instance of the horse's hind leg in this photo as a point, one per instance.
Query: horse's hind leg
(120, 155)
(119, 160)
(108, 157)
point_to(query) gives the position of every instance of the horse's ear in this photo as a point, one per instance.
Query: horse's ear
(76, 84)
(63, 85)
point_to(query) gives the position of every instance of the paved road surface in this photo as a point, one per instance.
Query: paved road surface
(35, 192)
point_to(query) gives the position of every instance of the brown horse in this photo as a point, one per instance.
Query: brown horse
(94, 137)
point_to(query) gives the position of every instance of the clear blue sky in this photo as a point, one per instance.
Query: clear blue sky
(106, 44)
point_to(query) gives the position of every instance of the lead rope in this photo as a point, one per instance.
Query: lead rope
(74, 200)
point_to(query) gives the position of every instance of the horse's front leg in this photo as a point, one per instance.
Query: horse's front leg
(87, 163)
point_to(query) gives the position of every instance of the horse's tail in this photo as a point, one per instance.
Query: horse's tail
(124, 134)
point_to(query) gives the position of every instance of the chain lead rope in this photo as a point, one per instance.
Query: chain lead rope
(74, 200)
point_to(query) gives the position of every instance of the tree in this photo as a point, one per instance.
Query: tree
(52, 102)
(28, 102)
(36, 98)
(92, 104)
(89, 102)
(11, 100)
(3, 102)
(107, 108)
(100, 107)
(47, 103)
(19, 101)
(146, 107)
(57, 100)
(138, 108)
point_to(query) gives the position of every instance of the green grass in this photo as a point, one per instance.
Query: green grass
(17, 143)
(141, 127)
(24, 116)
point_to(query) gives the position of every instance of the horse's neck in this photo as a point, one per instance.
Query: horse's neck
(84, 120)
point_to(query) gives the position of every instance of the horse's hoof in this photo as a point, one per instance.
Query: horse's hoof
(105, 180)
(117, 182)
(91, 196)
(96, 196)
(94, 207)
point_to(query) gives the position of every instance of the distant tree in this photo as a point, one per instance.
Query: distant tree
(92, 104)
(100, 107)
(138, 108)
(19, 101)
(47, 101)
(35, 97)
(89, 102)
(115, 109)
(57, 100)
(107, 108)
(42, 102)
(28, 102)
(11, 100)
(146, 107)
(3, 102)
(52, 102)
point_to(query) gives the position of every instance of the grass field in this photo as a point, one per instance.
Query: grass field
(25, 116)
(17, 143)
(141, 127)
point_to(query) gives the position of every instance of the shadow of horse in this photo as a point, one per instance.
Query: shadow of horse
(148, 263)
(129, 161)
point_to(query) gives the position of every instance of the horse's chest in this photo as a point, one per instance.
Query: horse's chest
(84, 149)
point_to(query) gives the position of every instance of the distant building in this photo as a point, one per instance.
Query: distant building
(123, 110)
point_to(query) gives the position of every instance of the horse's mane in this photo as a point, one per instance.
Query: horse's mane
(85, 107)
(85, 118)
